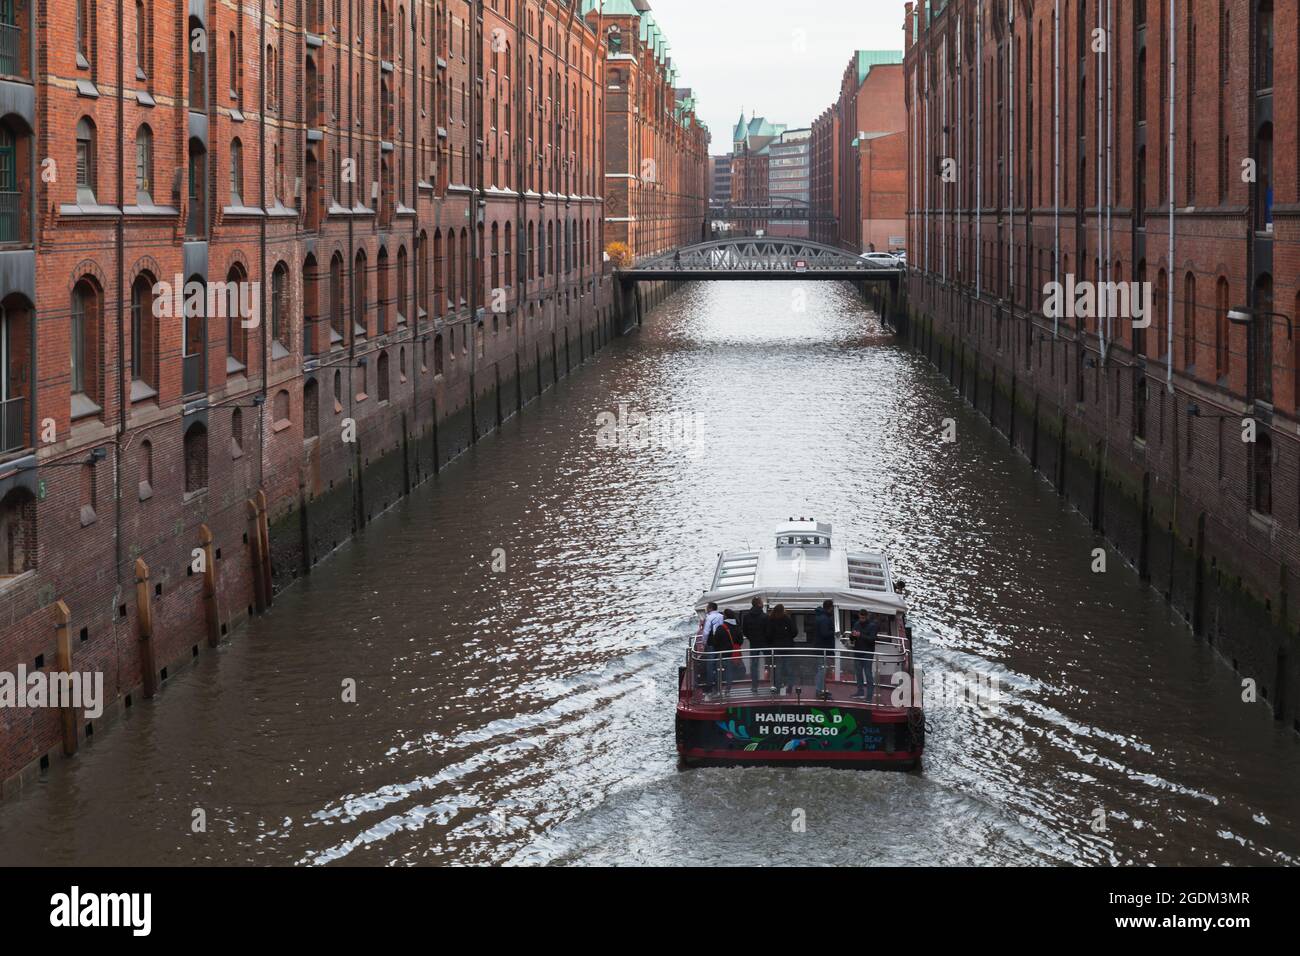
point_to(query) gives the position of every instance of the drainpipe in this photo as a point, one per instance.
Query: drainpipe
(1110, 161)
(1011, 152)
(1169, 273)
(1101, 256)
(261, 236)
(928, 172)
(1056, 154)
(979, 161)
(943, 186)
(120, 242)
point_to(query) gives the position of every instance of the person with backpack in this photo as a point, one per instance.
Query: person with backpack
(724, 647)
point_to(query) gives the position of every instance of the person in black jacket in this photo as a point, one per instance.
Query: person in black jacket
(724, 642)
(754, 628)
(781, 633)
(864, 642)
(823, 641)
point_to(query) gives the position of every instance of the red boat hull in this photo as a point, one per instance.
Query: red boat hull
(781, 733)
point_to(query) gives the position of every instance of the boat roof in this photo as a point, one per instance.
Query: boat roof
(804, 565)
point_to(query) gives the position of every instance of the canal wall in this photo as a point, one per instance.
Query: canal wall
(1160, 494)
(323, 481)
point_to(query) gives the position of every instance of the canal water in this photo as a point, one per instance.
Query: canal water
(514, 628)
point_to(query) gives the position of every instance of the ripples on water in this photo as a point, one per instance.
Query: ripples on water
(527, 716)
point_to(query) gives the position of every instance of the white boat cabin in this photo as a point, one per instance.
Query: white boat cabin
(801, 566)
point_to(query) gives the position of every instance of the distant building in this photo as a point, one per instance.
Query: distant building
(721, 191)
(749, 165)
(789, 180)
(859, 156)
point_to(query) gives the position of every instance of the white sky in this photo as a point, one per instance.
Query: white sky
(781, 58)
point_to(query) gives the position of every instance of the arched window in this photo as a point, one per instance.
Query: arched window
(144, 166)
(1262, 474)
(466, 267)
(359, 295)
(144, 339)
(15, 371)
(310, 304)
(508, 258)
(531, 267)
(403, 302)
(84, 348)
(452, 274)
(85, 161)
(236, 432)
(383, 376)
(17, 532)
(236, 172)
(1264, 46)
(236, 334)
(197, 47)
(144, 471)
(310, 409)
(280, 314)
(496, 257)
(336, 299)
(1189, 320)
(270, 79)
(196, 222)
(382, 270)
(280, 411)
(437, 354)
(194, 373)
(1221, 328)
(1264, 179)
(196, 457)
(83, 33)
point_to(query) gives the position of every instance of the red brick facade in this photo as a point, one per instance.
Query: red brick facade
(1023, 174)
(859, 162)
(657, 167)
(456, 274)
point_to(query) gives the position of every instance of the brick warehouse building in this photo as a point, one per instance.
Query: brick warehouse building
(859, 176)
(410, 190)
(657, 168)
(1068, 163)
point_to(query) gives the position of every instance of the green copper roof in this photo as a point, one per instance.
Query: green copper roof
(618, 8)
(869, 58)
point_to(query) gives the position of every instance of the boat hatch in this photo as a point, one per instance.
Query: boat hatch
(738, 569)
(866, 574)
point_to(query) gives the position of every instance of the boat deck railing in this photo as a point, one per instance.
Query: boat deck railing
(806, 674)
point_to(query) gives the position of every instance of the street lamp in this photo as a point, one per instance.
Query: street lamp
(1245, 315)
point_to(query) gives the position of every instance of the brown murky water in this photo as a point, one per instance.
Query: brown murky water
(527, 716)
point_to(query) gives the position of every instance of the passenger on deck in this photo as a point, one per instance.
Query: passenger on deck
(781, 634)
(724, 642)
(711, 620)
(823, 641)
(754, 627)
(864, 642)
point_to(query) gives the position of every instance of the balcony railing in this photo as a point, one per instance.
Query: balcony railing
(11, 216)
(13, 425)
(192, 374)
(11, 49)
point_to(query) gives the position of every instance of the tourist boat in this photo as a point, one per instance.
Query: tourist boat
(732, 723)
